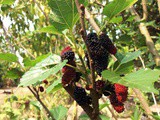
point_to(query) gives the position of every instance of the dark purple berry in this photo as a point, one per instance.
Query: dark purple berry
(107, 44)
(41, 88)
(82, 7)
(80, 96)
(99, 85)
(45, 81)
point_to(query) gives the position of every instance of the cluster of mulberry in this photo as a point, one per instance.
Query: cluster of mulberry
(100, 49)
(117, 94)
(69, 73)
(81, 96)
(118, 97)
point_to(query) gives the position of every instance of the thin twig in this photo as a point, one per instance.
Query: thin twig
(36, 95)
(158, 2)
(91, 20)
(142, 101)
(145, 12)
(26, 50)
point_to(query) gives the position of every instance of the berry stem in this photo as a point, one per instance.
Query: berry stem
(81, 59)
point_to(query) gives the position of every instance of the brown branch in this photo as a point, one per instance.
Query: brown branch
(149, 41)
(145, 12)
(94, 95)
(158, 2)
(91, 20)
(143, 101)
(36, 95)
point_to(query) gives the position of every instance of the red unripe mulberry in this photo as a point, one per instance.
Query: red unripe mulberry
(120, 89)
(119, 107)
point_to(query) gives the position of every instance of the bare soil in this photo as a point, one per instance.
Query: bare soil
(7, 92)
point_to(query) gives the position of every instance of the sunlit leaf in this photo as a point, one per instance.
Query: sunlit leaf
(8, 57)
(114, 8)
(64, 14)
(40, 71)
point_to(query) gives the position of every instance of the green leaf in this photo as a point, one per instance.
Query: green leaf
(49, 29)
(64, 14)
(55, 86)
(36, 104)
(14, 73)
(7, 2)
(142, 79)
(117, 6)
(111, 76)
(125, 68)
(156, 117)
(130, 56)
(40, 71)
(59, 112)
(136, 115)
(8, 57)
(101, 106)
(116, 19)
(30, 63)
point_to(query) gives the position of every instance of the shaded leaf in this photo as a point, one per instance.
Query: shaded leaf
(49, 29)
(13, 73)
(130, 56)
(111, 76)
(59, 112)
(8, 57)
(125, 68)
(114, 8)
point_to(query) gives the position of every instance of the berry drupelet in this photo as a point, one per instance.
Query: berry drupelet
(118, 97)
(107, 44)
(80, 96)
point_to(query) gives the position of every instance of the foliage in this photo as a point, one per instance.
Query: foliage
(35, 32)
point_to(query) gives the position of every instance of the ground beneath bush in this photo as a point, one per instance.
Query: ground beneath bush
(17, 91)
